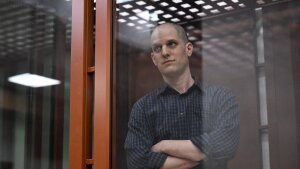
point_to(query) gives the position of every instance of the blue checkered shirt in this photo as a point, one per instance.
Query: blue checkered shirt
(206, 115)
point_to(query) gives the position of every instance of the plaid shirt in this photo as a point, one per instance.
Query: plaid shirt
(206, 115)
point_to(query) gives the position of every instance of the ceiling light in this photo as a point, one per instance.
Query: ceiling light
(33, 80)
(133, 18)
(188, 17)
(242, 5)
(138, 27)
(194, 10)
(260, 2)
(124, 13)
(199, 2)
(150, 7)
(215, 11)
(159, 12)
(136, 10)
(186, 5)
(207, 6)
(228, 8)
(127, 6)
(175, 20)
(141, 3)
(177, 1)
(201, 14)
(235, 1)
(164, 4)
(167, 16)
(222, 3)
(122, 1)
(180, 13)
(161, 22)
(172, 8)
(121, 20)
(130, 24)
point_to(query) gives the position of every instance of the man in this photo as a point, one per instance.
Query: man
(185, 123)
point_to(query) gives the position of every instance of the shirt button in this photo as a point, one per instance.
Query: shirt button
(181, 113)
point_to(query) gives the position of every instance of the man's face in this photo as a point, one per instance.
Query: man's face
(169, 52)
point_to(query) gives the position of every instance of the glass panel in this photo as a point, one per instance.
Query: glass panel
(35, 39)
(250, 47)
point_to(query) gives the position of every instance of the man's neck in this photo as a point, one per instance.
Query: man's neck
(181, 84)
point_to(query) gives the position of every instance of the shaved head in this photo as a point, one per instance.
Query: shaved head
(180, 31)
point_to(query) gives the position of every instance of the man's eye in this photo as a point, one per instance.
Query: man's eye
(172, 44)
(156, 49)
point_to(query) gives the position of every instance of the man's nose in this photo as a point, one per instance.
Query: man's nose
(165, 51)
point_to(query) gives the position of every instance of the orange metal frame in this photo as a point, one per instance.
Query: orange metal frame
(102, 85)
(82, 153)
(77, 87)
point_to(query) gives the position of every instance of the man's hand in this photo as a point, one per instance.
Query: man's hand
(178, 163)
(184, 149)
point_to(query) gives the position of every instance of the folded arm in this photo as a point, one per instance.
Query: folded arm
(218, 144)
(184, 149)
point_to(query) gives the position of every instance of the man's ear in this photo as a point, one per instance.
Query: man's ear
(153, 59)
(189, 49)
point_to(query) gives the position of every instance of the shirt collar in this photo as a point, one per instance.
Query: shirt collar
(164, 87)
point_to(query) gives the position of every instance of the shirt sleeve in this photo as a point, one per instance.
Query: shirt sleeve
(139, 141)
(222, 141)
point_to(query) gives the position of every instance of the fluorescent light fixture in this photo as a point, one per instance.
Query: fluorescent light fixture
(133, 18)
(222, 3)
(122, 1)
(175, 20)
(177, 1)
(207, 7)
(194, 10)
(199, 2)
(186, 5)
(136, 10)
(142, 22)
(141, 3)
(124, 13)
(130, 24)
(188, 17)
(122, 20)
(172, 8)
(150, 7)
(164, 4)
(127, 6)
(33, 80)
(167, 16)
(242, 5)
(229, 8)
(215, 11)
(201, 14)
(180, 13)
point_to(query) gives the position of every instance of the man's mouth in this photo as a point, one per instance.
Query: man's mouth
(168, 61)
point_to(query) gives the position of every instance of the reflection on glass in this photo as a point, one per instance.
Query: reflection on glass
(250, 46)
(34, 41)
